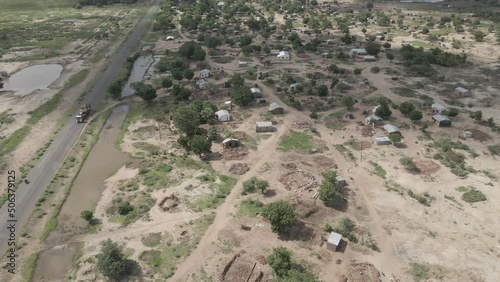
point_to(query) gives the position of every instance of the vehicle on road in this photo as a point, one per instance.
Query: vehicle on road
(85, 110)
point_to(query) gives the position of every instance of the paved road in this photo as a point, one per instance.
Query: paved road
(41, 175)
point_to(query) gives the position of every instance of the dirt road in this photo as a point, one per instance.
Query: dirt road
(44, 170)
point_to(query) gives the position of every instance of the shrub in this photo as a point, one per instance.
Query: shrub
(125, 208)
(253, 185)
(280, 214)
(409, 164)
(112, 262)
(375, 69)
(473, 196)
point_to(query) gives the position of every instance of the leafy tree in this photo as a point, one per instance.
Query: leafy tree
(363, 30)
(254, 184)
(199, 54)
(479, 35)
(112, 262)
(322, 90)
(242, 96)
(245, 40)
(236, 81)
(383, 110)
(180, 93)
(125, 208)
(87, 215)
(188, 74)
(212, 133)
(389, 56)
(415, 115)
(166, 82)
(247, 50)
(186, 119)
(280, 261)
(205, 109)
(395, 138)
(192, 50)
(452, 112)
(477, 115)
(348, 102)
(145, 91)
(372, 48)
(425, 30)
(406, 107)
(387, 45)
(177, 74)
(115, 89)
(200, 37)
(280, 214)
(200, 145)
(334, 82)
(212, 42)
(328, 191)
(313, 115)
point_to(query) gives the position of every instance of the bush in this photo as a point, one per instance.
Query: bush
(375, 69)
(253, 185)
(87, 216)
(409, 164)
(328, 192)
(357, 71)
(280, 260)
(125, 208)
(112, 262)
(473, 196)
(280, 214)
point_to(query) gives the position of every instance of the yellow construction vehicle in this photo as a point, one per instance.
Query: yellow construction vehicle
(85, 109)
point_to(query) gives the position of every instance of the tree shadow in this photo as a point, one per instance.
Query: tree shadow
(95, 221)
(214, 156)
(297, 232)
(135, 271)
(269, 193)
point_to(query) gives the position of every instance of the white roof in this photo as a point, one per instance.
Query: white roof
(369, 57)
(461, 89)
(438, 106)
(222, 113)
(242, 62)
(375, 117)
(274, 106)
(440, 118)
(205, 71)
(334, 238)
(227, 103)
(339, 178)
(201, 81)
(283, 53)
(358, 50)
(391, 128)
(382, 139)
(263, 123)
(170, 37)
(228, 140)
(255, 90)
(294, 84)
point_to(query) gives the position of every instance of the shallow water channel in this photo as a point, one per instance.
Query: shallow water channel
(103, 160)
(32, 78)
(143, 66)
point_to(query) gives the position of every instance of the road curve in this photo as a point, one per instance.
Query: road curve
(42, 173)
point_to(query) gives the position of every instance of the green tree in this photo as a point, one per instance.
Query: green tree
(237, 81)
(242, 96)
(177, 74)
(125, 208)
(200, 145)
(145, 91)
(334, 82)
(111, 262)
(383, 110)
(322, 90)
(348, 102)
(313, 115)
(247, 50)
(415, 115)
(87, 215)
(115, 89)
(479, 35)
(188, 50)
(199, 54)
(280, 261)
(386, 45)
(477, 115)
(166, 82)
(280, 214)
(245, 40)
(395, 138)
(188, 74)
(212, 134)
(425, 30)
(212, 42)
(186, 120)
(329, 195)
(389, 56)
(406, 107)
(372, 48)
(452, 112)
(205, 109)
(253, 185)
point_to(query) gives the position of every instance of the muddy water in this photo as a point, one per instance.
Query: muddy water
(103, 160)
(139, 69)
(32, 78)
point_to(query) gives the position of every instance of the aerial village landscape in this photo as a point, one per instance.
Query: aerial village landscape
(291, 140)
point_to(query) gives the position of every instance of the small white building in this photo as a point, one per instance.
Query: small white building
(294, 86)
(358, 52)
(283, 55)
(373, 119)
(256, 92)
(275, 52)
(462, 92)
(467, 134)
(330, 41)
(391, 129)
(201, 84)
(170, 37)
(222, 115)
(438, 108)
(381, 140)
(230, 143)
(334, 241)
(228, 105)
(369, 58)
(242, 64)
(204, 73)
(264, 126)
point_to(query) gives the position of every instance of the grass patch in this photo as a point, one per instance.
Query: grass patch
(345, 227)
(378, 170)
(6, 118)
(396, 187)
(11, 143)
(495, 149)
(251, 143)
(249, 208)
(77, 78)
(152, 239)
(296, 141)
(45, 109)
(141, 203)
(220, 190)
(157, 176)
(404, 92)
(473, 196)
(353, 144)
(422, 44)
(223, 60)
(345, 152)
(419, 272)
(144, 146)
(29, 267)
(165, 261)
(425, 199)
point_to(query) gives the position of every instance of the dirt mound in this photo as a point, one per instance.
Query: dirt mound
(290, 166)
(323, 162)
(239, 168)
(169, 203)
(237, 153)
(367, 131)
(296, 179)
(427, 167)
(261, 259)
(362, 272)
(242, 268)
(479, 135)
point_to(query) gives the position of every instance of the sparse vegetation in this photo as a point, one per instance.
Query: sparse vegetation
(409, 164)
(379, 171)
(249, 207)
(473, 196)
(253, 185)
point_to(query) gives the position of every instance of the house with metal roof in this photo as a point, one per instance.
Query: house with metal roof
(462, 92)
(276, 108)
(204, 73)
(334, 241)
(373, 119)
(264, 126)
(256, 92)
(358, 52)
(441, 120)
(438, 108)
(283, 55)
(381, 140)
(391, 129)
(230, 143)
(222, 115)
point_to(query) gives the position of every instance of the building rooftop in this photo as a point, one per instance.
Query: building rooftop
(294, 85)
(229, 140)
(205, 71)
(263, 123)
(255, 90)
(391, 128)
(274, 106)
(382, 138)
(222, 113)
(334, 238)
(438, 106)
(375, 117)
(461, 89)
(284, 53)
(369, 57)
(440, 118)
(358, 50)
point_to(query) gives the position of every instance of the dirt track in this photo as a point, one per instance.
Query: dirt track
(44, 170)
